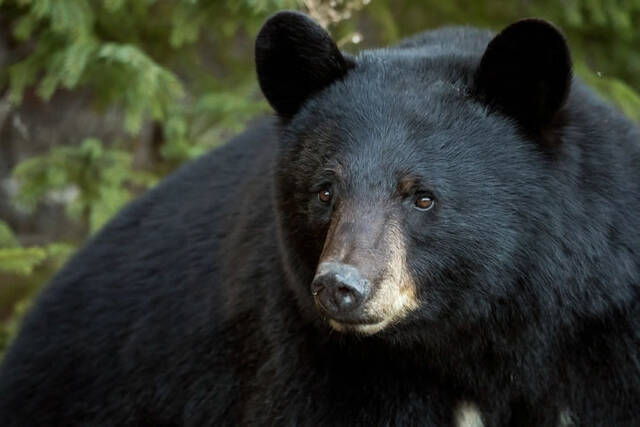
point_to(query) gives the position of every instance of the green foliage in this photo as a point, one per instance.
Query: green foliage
(21, 260)
(9, 329)
(70, 52)
(7, 239)
(17, 262)
(131, 52)
(94, 176)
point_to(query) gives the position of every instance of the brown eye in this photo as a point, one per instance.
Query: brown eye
(324, 196)
(424, 203)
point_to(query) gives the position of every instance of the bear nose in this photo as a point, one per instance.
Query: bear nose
(339, 289)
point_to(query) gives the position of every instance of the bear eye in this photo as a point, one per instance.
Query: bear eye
(424, 203)
(324, 196)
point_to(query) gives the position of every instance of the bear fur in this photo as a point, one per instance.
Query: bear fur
(488, 199)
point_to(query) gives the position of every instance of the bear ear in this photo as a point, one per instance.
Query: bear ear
(526, 72)
(295, 58)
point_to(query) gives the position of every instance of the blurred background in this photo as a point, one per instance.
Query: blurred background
(99, 99)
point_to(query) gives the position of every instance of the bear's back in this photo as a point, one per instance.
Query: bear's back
(147, 285)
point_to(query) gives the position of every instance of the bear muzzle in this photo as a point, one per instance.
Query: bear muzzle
(362, 283)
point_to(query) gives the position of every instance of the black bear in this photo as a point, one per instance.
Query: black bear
(444, 232)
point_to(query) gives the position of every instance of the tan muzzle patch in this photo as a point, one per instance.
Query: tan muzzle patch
(394, 296)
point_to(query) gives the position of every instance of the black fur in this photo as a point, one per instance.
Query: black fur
(296, 58)
(193, 307)
(526, 72)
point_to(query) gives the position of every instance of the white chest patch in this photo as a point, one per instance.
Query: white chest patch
(467, 415)
(566, 418)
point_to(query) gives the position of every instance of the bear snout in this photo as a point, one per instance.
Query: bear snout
(340, 291)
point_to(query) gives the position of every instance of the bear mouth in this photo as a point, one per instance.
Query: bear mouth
(368, 328)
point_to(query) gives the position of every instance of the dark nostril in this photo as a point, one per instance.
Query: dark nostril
(316, 286)
(345, 295)
(339, 288)
(337, 298)
(347, 298)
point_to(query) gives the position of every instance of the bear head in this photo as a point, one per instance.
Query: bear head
(407, 179)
